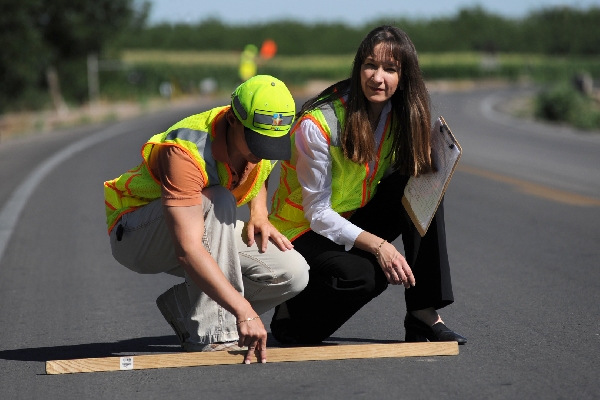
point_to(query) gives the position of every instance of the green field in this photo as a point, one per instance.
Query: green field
(144, 70)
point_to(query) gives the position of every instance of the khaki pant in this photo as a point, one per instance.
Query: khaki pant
(264, 279)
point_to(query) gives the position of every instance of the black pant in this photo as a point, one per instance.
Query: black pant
(342, 282)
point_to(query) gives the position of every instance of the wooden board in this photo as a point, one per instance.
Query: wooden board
(287, 354)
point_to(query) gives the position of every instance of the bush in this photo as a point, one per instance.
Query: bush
(562, 103)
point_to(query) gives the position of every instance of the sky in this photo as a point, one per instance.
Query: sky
(353, 12)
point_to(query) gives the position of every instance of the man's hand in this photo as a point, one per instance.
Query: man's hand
(253, 334)
(261, 225)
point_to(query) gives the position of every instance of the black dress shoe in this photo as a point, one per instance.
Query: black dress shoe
(418, 331)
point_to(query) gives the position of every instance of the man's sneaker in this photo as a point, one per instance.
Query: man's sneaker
(174, 305)
(219, 346)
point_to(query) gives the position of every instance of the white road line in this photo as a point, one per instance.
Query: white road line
(16, 203)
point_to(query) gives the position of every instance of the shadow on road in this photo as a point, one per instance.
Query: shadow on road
(136, 346)
(156, 344)
(360, 340)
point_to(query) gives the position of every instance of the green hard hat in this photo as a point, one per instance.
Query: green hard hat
(266, 108)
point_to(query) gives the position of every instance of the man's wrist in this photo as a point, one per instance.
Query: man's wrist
(244, 310)
(262, 214)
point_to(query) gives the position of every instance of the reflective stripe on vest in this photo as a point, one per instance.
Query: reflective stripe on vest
(194, 135)
(204, 149)
(332, 120)
(351, 186)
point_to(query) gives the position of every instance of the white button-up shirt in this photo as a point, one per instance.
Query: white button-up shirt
(314, 174)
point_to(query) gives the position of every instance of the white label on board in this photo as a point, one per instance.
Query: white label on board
(126, 363)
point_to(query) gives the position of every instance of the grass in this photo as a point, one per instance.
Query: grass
(230, 59)
(562, 103)
(134, 57)
(195, 65)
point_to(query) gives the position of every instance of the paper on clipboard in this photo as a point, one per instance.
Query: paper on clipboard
(423, 194)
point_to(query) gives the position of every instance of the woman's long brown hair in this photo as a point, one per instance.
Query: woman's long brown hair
(411, 118)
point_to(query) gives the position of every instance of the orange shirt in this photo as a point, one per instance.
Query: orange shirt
(181, 180)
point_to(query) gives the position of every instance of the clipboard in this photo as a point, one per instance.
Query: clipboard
(423, 194)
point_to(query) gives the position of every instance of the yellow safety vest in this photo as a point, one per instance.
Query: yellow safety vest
(194, 135)
(351, 186)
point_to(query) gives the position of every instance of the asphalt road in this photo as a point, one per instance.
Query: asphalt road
(522, 216)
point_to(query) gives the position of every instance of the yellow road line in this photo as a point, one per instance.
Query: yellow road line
(534, 189)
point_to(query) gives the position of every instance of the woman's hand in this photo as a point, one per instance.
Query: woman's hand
(394, 265)
(254, 335)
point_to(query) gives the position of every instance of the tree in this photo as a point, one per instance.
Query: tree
(51, 37)
(564, 31)
(22, 53)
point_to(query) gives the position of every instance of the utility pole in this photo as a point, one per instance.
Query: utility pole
(93, 68)
(93, 80)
